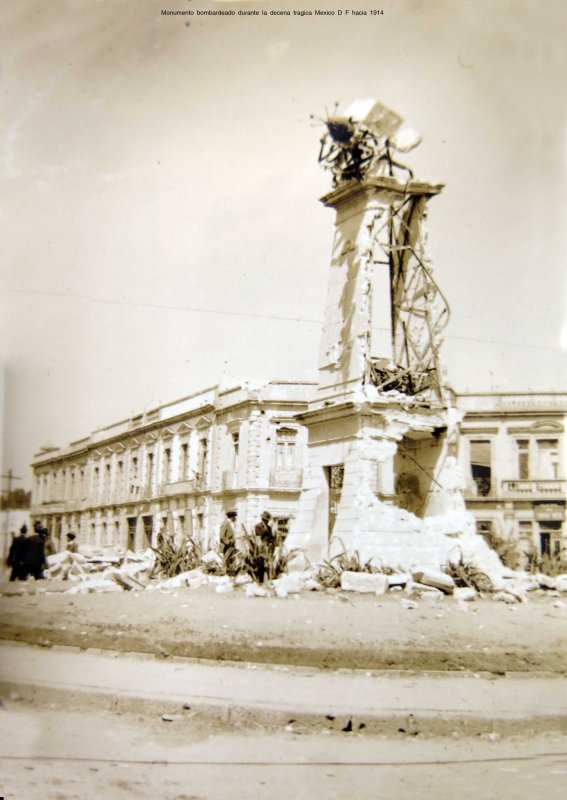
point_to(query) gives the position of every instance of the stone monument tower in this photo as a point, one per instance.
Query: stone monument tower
(382, 477)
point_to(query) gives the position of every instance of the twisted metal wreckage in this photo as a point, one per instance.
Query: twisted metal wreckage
(359, 146)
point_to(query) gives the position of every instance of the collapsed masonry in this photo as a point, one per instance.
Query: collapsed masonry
(382, 476)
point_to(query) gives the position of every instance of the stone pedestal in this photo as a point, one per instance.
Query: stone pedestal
(382, 479)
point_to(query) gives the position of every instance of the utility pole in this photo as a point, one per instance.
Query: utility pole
(9, 477)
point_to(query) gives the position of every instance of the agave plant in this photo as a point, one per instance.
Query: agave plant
(171, 559)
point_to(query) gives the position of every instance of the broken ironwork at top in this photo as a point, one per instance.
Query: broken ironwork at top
(360, 142)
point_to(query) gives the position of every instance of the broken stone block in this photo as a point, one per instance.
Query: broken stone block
(196, 578)
(399, 579)
(561, 583)
(254, 590)
(364, 582)
(546, 582)
(421, 590)
(466, 593)
(58, 559)
(434, 578)
(288, 584)
(241, 580)
(506, 597)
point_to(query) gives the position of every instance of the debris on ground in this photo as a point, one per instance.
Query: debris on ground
(111, 568)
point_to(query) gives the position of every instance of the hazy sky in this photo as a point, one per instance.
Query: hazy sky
(159, 194)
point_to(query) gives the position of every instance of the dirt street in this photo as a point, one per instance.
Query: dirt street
(328, 630)
(59, 754)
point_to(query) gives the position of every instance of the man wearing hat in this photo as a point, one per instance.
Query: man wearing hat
(227, 540)
(17, 556)
(267, 542)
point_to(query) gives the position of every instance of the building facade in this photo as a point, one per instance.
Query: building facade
(512, 452)
(178, 467)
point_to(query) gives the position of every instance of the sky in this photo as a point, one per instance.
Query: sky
(159, 194)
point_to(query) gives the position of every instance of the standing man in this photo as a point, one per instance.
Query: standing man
(17, 555)
(35, 553)
(267, 541)
(227, 539)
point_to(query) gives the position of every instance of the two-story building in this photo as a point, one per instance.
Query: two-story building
(512, 451)
(178, 468)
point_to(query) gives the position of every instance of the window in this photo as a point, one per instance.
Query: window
(184, 461)
(548, 459)
(281, 529)
(203, 459)
(481, 469)
(134, 468)
(286, 449)
(131, 542)
(166, 465)
(147, 528)
(149, 471)
(550, 537)
(235, 451)
(523, 446)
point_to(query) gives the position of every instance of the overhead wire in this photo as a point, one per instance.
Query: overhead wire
(253, 315)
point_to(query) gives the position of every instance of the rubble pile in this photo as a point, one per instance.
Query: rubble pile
(110, 569)
(101, 569)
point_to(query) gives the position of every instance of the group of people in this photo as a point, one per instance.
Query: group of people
(27, 556)
(266, 541)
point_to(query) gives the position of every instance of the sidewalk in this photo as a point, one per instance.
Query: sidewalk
(130, 681)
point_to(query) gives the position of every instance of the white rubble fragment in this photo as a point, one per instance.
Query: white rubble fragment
(561, 583)
(364, 582)
(434, 578)
(506, 597)
(559, 604)
(242, 579)
(421, 590)
(224, 588)
(546, 581)
(517, 590)
(57, 559)
(196, 578)
(177, 582)
(288, 584)
(399, 579)
(465, 593)
(212, 557)
(95, 584)
(254, 590)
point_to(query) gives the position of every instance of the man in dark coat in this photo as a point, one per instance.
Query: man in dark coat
(17, 555)
(35, 555)
(227, 542)
(267, 545)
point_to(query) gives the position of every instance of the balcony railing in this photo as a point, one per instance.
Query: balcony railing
(178, 487)
(286, 479)
(534, 487)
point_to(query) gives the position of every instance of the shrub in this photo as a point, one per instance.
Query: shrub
(170, 559)
(466, 574)
(548, 563)
(261, 562)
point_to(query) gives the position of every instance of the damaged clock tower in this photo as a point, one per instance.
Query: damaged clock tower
(382, 478)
